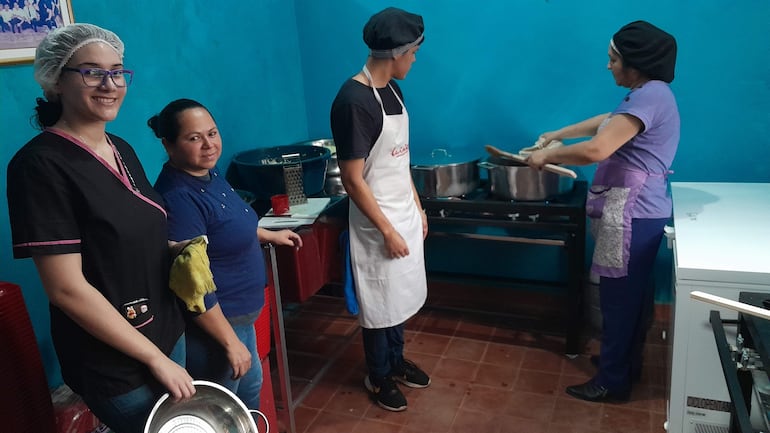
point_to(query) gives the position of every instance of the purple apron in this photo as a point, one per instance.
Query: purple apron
(609, 205)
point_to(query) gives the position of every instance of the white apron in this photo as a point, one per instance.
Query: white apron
(389, 291)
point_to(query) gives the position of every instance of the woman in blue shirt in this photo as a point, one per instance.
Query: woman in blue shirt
(221, 341)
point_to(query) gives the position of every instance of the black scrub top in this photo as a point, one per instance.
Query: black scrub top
(63, 199)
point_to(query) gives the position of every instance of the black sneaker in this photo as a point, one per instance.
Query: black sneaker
(410, 375)
(388, 395)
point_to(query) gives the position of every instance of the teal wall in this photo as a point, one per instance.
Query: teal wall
(503, 71)
(242, 61)
(497, 71)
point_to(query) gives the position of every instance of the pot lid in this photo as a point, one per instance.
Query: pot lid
(446, 156)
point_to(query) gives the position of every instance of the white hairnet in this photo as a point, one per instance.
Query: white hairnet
(61, 43)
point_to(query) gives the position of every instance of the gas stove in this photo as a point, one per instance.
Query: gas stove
(484, 208)
(559, 221)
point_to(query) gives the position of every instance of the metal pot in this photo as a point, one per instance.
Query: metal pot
(213, 408)
(332, 168)
(445, 173)
(512, 180)
(333, 186)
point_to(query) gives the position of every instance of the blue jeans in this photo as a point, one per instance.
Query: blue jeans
(384, 350)
(206, 360)
(627, 306)
(128, 413)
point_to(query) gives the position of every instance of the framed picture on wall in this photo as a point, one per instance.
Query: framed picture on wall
(24, 23)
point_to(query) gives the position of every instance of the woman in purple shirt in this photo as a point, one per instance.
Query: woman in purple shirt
(628, 202)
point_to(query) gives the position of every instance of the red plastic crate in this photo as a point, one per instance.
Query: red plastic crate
(25, 401)
(262, 325)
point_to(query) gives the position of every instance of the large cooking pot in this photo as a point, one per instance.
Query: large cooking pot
(445, 172)
(513, 180)
(261, 171)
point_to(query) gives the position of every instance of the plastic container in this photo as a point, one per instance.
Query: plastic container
(261, 171)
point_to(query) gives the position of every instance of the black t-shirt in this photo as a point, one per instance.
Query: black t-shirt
(356, 117)
(62, 199)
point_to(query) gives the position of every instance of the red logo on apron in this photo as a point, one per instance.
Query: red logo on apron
(400, 150)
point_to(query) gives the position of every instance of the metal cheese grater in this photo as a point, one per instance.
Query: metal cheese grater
(292, 176)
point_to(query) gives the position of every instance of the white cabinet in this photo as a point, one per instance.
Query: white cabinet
(722, 247)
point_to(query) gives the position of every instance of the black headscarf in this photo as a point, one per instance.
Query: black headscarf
(648, 49)
(393, 31)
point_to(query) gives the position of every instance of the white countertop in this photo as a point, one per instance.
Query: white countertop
(722, 232)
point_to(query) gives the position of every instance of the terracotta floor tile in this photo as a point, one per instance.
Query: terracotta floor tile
(303, 417)
(456, 369)
(512, 424)
(431, 344)
(487, 375)
(374, 426)
(435, 419)
(500, 376)
(463, 348)
(332, 423)
(573, 412)
(486, 399)
(504, 354)
(440, 323)
(479, 329)
(320, 395)
(620, 419)
(542, 360)
(471, 421)
(561, 428)
(537, 382)
(351, 401)
(531, 406)
(441, 393)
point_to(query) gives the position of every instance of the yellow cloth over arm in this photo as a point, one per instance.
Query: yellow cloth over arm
(191, 276)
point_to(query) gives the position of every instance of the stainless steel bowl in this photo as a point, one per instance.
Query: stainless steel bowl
(213, 409)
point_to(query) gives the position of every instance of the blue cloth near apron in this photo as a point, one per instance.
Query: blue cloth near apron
(348, 283)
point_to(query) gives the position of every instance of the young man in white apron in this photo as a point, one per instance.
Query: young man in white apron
(370, 126)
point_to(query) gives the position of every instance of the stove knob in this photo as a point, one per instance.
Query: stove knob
(513, 216)
(534, 217)
(442, 213)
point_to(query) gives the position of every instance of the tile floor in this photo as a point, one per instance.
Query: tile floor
(487, 376)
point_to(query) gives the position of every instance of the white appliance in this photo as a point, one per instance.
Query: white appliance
(721, 247)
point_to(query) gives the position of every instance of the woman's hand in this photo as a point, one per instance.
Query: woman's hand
(173, 377)
(240, 359)
(546, 138)
(287, 237)
(538, 159)
(395, 246)
(279, 237)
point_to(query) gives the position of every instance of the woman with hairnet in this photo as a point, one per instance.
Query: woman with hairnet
(628, 202)
(81, 206)
(370, 126)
